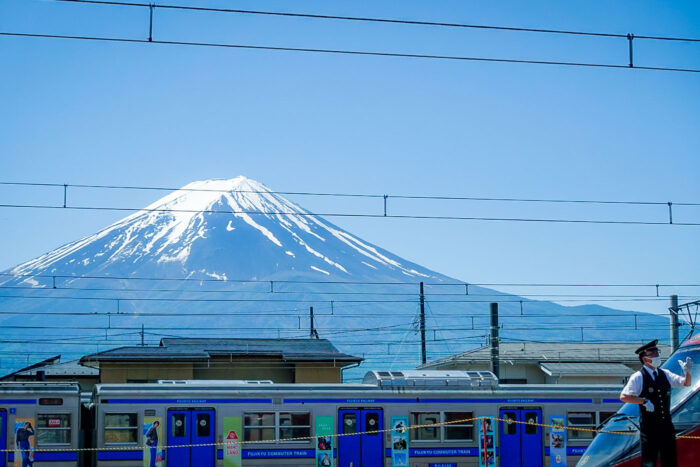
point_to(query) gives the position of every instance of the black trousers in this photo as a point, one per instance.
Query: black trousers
(658, 440)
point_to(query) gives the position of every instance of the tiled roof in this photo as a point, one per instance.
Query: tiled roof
(197, 349)
(586, 369)
(534, 352)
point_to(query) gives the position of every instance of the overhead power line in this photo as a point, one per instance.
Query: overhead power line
(346, 52)
(341, 282)
(378, 20)
(352, 195)
(356, 215)
(303, 313)
(668, 205)
(495, 295)
(291, 300)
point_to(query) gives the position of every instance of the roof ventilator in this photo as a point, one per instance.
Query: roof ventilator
(431, 379)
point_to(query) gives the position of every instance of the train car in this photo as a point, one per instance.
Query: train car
(49, 415)
(338, 424)
(615, 450)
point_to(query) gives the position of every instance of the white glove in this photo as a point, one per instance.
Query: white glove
(649, 406)
(687, 365)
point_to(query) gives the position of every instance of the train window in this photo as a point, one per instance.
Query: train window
(584, 420)
(457, 428)
(53, 429)
(428, 433)
(372, 423)
(689, 412)
(178, 422)
(203, 424)
(121, 428)
(295, 425)
(259, 426)
(349, 423)
(509, 426)
(603, 417)
(531, 419)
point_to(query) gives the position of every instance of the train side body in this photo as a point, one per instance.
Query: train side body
(192, 414)
(54, 412)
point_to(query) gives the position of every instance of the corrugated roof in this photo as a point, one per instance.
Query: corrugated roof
(198, 349)
(586, 369)
(534, 352)
(73, 368)
(53, 367)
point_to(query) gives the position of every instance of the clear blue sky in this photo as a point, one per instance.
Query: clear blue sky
(155, 115)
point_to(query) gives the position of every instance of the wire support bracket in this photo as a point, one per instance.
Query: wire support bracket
(150, 22)
(630, 38)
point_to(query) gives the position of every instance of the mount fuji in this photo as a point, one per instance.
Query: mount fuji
(232, 258)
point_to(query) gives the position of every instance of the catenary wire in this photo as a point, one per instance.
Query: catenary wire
(344, 282)
(235, 300)
(353, 215)
(344, 52)
(377, 20)
(351, 195)
(325, 293)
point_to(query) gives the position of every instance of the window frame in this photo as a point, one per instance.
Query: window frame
(277, 427)
(105, 428)
(581, 435)
(460, 425)
(68, 428)
(442, 419)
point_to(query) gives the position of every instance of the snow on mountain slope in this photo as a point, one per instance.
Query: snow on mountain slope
(212, 228)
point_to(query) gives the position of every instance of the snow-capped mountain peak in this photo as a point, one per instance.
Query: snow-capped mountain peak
(222, 228)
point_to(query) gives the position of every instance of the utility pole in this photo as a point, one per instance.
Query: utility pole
(142, 344)
(312, 332)
(422, 325)
(495, 366)
(674, 322)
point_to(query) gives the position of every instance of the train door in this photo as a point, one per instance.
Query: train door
(188, 428)
(521, 443)
(3, 436)
(364, 449)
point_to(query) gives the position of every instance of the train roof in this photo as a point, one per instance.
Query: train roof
(276, 390)
(43, 387)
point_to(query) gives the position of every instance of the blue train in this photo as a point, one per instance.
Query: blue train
(416, 418)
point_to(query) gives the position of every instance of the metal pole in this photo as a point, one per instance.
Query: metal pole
(674, 322)
(422, 325)
(495, 367)
(311, 314)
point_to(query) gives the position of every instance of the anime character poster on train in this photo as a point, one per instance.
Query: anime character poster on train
(152, 434)
(557, 442)
(487, 442)
(399, 441)
(24, 442)
(324, 441)
(232, 434)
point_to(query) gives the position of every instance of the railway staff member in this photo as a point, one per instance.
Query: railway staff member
(650, 387)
